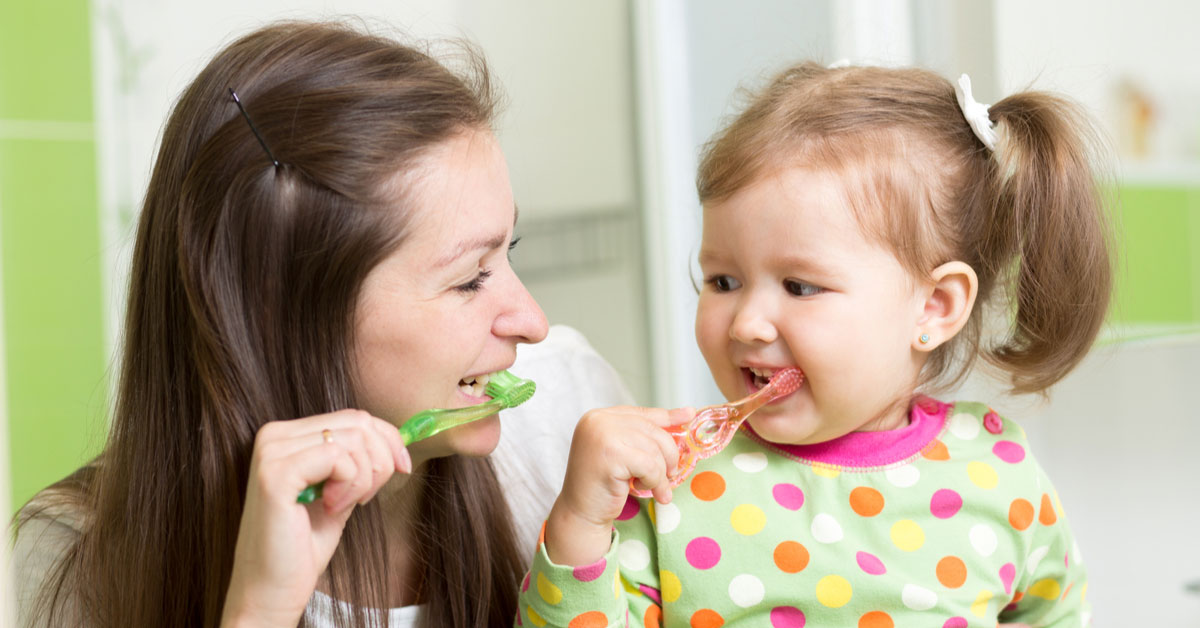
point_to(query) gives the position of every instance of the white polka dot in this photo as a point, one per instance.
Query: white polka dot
(634, 555)
(746, 590)
(904, 476)
(983, 539)
(666, 517)
(752, 462)
(918, 598)
(1075, 555)
(964, 426)
(1035, 557)
(826, 529)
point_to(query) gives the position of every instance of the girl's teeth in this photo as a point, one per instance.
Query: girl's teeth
(764, 373)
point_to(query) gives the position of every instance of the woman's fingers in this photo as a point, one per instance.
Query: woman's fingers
(372, 449)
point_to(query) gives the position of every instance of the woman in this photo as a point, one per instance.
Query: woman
(326, 229)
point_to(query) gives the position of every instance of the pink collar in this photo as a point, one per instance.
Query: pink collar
(872, 449)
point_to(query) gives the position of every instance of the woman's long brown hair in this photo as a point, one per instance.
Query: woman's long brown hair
(241, 307)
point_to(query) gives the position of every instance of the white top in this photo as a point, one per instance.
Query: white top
(530, 461)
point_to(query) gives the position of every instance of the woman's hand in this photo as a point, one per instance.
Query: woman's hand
(283, 546)
(611, 447)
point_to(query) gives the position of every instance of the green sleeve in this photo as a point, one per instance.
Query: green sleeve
(618, 590)
(1050, 584)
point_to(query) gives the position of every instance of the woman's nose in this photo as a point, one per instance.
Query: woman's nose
(752, 324)
(520, 317)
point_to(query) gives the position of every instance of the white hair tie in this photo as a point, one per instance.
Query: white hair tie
(976, 113)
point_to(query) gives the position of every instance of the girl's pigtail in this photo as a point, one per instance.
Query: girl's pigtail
(1052, 248)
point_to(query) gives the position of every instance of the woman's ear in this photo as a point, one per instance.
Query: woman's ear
(947, 306)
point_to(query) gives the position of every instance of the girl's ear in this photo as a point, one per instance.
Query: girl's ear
(947, 306)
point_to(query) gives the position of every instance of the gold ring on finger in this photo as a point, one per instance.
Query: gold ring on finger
(327, 436)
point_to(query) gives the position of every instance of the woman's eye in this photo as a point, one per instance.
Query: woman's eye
(512, 244)
(476, 284)
(800, 289)
(723, 283)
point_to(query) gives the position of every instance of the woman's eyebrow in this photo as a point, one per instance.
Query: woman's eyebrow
(486, 243)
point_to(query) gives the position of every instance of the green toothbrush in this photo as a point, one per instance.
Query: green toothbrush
(506, 391)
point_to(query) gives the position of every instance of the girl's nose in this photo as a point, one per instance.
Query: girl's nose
(752, 325)
(520, 316)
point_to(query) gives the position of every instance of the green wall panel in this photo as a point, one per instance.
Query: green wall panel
(45, 61)
(1157, 279)
(53, 332)
(54, 349)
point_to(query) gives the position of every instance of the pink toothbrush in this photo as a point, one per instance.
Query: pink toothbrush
(713, 427)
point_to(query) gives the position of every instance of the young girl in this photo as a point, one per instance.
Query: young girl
(855, 221)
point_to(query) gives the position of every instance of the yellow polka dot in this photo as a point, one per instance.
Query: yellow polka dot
(652, 512)
(833, 591)
(617, 585)
(671, 586)
(982, 474)
(980, 605)
(534, 618)
(826, 470)
(1047, 589)
(1083, 593)
(907, 535)
(546, 589)
(629, 588)
(748, 519)
(1058, 505)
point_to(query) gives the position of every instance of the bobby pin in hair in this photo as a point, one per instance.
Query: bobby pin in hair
(238, 102)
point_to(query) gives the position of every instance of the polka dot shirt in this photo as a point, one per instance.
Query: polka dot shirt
(946, 522)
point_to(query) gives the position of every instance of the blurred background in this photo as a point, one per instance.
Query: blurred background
(609, 102)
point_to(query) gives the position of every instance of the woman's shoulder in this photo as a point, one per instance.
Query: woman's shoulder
(46, 529)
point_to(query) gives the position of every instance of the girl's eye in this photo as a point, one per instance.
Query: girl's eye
(476, 284)
(723, 283)
(800, 289)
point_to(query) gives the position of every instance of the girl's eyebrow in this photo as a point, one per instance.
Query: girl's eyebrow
(486, 243)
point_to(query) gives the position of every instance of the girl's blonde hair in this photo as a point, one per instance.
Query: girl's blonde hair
(1030, 219)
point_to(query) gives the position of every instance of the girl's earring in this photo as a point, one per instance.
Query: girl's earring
(924, 339)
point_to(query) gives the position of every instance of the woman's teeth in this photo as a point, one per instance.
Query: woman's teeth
(475, 386)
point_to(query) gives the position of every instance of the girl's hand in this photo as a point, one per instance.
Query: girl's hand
(283, 546)
(611, 446)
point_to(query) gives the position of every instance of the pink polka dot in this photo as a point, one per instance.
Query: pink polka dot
(789, 496)
(787, 617)
(945, 503)
(630, 510)
(1007, 573)
(702, 552)
(993, 423)
(870, 564)
(525, 582)
(1009, 451)
(955, 622)
(651, 593)
(587, 573)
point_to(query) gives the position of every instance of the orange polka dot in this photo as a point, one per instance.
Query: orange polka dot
(1047, 516)
(1017, 596)
(653, 617)
(951, 572)
(936, 451)
(1067, 590)
(866, 501)
(791, 557)
(1020, 513)
(876, 619)
(708, 485)
(707, 618)
(590, 619)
